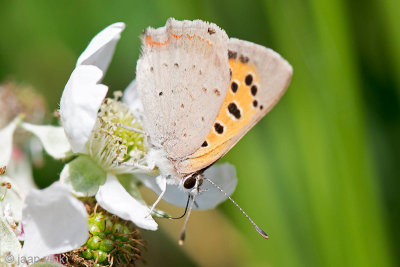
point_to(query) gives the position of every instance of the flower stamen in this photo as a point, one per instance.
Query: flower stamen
(117, 141)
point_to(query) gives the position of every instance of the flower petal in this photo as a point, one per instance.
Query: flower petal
(13, 197)
(9, 244)
(101, 48)
(53, 138)
(223, 175)
(20, 172)
(80, 103)
(54, 222)
(115, 199)
(129, 183)
(131, 97)
(6, 141)
(83, 176)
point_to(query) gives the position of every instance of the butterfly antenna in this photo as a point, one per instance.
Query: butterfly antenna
(183, 233)
(175, 218)
(258, 229)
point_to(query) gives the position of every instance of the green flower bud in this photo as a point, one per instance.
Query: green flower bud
(94, 242)
(106, 245)
(87, 254)
(100, 256)
(117, 229)
(124, 233)
(94, 229)
(126, 248)
(110, 238)
(108, 225)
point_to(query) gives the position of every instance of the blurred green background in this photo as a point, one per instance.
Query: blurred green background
(319, 173)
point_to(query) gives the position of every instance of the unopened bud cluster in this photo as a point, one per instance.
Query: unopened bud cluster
(112, 242)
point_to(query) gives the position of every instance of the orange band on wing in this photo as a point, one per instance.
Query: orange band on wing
(177, 37)
(190, 37)
(150, 42)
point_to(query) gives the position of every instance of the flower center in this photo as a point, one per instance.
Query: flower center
(112, 146)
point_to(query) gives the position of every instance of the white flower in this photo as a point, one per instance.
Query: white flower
(105, 151)
(11, 198)
(54, 222)
(37, 210)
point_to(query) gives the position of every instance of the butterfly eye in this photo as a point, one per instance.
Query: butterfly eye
(189, 182)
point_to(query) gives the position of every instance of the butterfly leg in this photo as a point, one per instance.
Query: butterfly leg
(195, 204)
(129, 128)
(161, 181)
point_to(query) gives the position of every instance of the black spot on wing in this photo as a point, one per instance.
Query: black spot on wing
(233, 109)
(243, 59)
(219, 128)
(253, 90)
(248, 79)
(232, 54)
(234, 87)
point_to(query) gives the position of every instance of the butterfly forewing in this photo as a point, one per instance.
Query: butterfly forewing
(259, 77)
(182, 78)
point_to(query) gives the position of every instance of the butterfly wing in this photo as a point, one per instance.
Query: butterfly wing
(182, 78)
(259, 77)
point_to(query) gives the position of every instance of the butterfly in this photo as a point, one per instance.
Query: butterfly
(201, 93)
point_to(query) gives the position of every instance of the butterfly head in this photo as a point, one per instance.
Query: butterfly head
(192, 183)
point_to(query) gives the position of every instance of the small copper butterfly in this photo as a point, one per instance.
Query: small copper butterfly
(201, 92)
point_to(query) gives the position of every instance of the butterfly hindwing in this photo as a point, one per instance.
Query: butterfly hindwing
(259, 77)
(182, 78)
